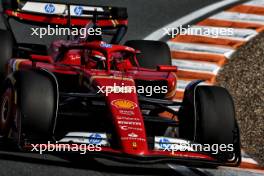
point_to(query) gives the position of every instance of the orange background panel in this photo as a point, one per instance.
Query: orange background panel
(208, 40)
(248, 9)
(223, 23)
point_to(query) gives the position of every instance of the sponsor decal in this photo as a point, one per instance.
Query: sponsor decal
(106, 45)
(49, 8)
(134, 144)
(131, 138)
(125, 128)
(127, 118)
(124, 104)
(126, 112)
(78, 10)
(129, 123)
(133, 135)
(95, 138)
(164, 143)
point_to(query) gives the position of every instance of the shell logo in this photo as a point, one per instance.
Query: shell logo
(124, 104)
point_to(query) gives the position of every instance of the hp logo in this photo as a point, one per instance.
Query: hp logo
(78, 10)
(49, 8)
(95, 138)
(164, 143)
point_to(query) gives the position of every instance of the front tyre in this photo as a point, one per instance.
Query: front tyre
(208, 117)
(34, 107)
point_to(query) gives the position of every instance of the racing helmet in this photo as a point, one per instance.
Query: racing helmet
(96, 59)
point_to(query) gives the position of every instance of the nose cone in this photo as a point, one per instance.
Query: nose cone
(126, 115)
(129, 123)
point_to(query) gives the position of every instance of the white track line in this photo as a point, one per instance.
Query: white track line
(239, 17)
(230, 33)
(181, 84)
(247, 159)
(201, 48)
(158, 34)
(196, 66)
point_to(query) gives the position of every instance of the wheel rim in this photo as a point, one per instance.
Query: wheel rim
(5, 111)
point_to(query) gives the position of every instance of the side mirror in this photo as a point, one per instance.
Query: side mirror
(167, 68)
(40, 58)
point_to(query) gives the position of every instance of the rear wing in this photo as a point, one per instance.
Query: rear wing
(112, 20)
(40, 12)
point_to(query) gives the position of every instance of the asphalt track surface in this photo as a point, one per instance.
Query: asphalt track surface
(144, 18)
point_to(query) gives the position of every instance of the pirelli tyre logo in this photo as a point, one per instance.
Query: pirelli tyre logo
(124, 104)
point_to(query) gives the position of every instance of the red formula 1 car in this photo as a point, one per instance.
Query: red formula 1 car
(89, 91)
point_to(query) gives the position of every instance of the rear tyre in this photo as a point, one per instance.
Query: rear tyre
(153, 53)
(6, 51)
(34, 108)
(208, 117)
